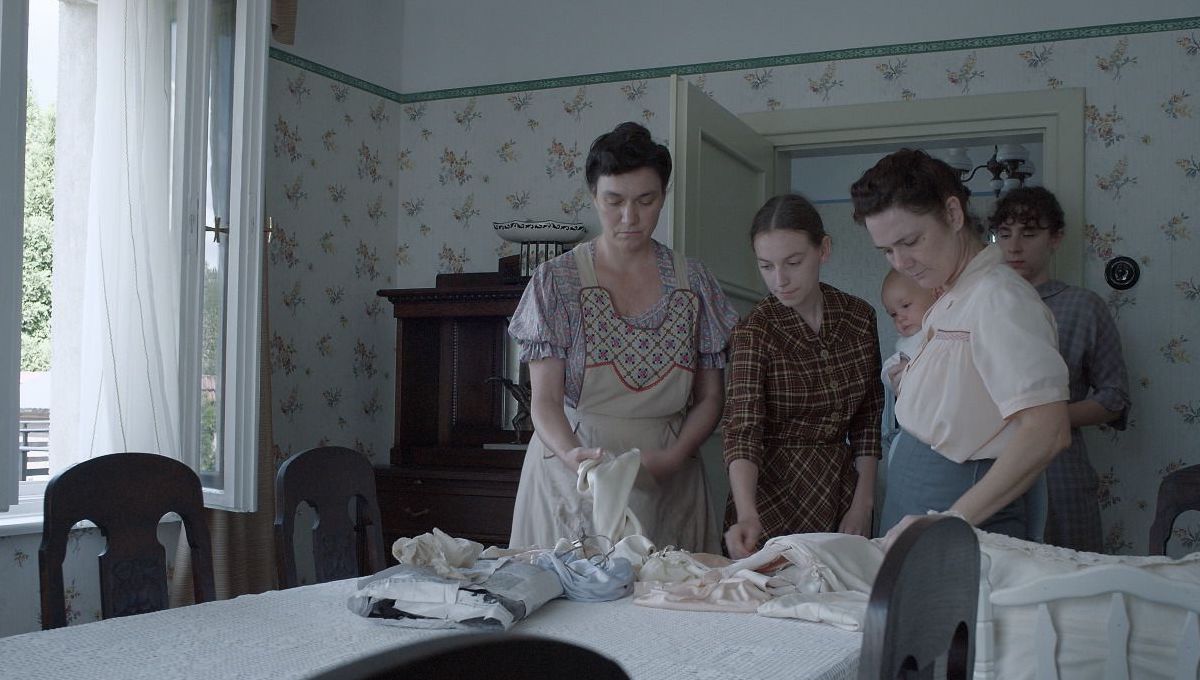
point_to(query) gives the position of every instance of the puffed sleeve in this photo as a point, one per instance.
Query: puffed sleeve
(541, 325)
(717, 316)
(1107, 376)
(745, 395)
(1015, 351)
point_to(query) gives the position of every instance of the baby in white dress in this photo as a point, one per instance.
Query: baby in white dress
(906, 302)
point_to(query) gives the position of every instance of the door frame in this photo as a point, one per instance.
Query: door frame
(1056, 115)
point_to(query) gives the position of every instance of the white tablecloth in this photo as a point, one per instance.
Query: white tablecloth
(295, 633)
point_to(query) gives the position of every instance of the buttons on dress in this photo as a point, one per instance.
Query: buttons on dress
(824, 354)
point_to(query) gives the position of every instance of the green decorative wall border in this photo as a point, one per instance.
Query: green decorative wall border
(1057, 35)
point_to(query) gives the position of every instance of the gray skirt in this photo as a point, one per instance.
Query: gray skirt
(920, 479)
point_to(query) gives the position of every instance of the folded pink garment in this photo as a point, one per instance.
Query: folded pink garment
(727, 595)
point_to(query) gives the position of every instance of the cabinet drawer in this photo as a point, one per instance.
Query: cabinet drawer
(480, 512)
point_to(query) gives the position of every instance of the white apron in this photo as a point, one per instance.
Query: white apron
(636, 387)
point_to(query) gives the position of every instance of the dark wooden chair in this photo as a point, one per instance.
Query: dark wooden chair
(327, 478)
(125, 495)
(496, 656)
(1177, 493)
(923, 604)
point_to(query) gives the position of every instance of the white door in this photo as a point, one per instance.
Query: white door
(725, 172)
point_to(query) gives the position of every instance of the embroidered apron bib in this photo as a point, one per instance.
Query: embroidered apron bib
(636, 387)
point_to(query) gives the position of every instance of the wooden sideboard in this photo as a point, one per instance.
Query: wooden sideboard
(445, 471)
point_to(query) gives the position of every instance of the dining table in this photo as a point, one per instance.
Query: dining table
(299, 632)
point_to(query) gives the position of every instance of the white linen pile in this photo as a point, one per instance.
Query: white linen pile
(816, 577)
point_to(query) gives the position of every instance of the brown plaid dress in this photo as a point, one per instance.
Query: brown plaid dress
(802, 407)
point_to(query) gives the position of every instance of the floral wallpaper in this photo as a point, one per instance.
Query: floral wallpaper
(331, 182)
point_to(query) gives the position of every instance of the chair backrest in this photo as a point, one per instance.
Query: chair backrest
(125, 495)
(496, 656)
(1119, 581)
(327, 478)
(923, 603)
(1178, 492)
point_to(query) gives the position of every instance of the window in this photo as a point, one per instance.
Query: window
(157, 278)
(219, 180)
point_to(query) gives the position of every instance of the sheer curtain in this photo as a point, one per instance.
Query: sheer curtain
(129, 376)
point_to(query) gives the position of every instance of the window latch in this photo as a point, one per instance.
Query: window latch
(216, 229)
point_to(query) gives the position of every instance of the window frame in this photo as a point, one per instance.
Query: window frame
(14, 24)
(239, 435)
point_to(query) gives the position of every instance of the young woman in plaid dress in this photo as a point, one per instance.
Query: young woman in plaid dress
(804, 402)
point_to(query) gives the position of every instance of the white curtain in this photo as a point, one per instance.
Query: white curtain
(129, 375)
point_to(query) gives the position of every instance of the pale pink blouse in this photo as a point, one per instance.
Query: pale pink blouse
(548, 319)
(991, 350)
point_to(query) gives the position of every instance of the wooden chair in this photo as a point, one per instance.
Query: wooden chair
(496, 656)
(125, 495)
(327, 478)
(1177, 493)
(1118, 581)
(923, 604)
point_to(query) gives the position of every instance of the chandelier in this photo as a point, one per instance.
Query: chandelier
(1009, 166)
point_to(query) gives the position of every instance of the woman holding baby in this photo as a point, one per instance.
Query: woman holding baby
(983, 404)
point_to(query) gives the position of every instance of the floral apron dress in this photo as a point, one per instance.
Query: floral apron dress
(636, 386)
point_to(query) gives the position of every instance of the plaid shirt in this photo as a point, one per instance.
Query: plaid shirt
(801, 406)
(1091, 346)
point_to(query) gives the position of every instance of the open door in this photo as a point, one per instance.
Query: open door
(724, 174)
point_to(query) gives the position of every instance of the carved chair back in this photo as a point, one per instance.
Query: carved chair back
(923, 604)
(344, 546)
(1177, 493)
(125, 495)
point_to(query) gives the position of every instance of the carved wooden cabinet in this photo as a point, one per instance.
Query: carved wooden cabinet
(454, 465)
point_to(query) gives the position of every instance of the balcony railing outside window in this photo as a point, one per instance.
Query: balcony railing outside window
(33, 440)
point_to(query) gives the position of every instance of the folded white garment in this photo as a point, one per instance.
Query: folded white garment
(824, 562)
(846, 610)
(803, 564)
(609, 483)
(444, 554)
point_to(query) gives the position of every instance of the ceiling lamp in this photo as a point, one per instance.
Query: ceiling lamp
(1009, 166)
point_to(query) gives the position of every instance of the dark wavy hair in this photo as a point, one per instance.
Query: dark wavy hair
(788, 211)
(913, 180)
(1033, 206)
(627, 148)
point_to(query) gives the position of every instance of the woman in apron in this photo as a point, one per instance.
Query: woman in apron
(625, 342)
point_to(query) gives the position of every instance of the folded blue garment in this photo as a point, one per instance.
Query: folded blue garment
(586, 580)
